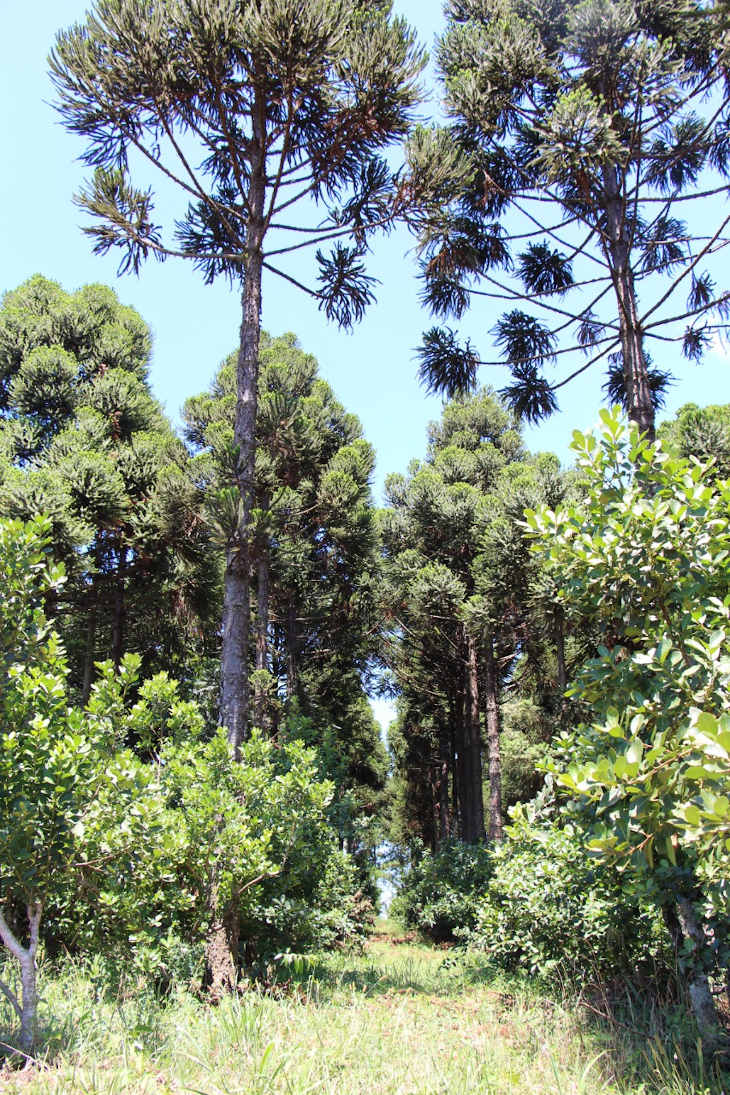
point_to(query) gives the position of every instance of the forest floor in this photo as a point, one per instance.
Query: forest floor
(401, 1019)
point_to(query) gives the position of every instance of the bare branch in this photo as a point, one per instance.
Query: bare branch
(687, 270)
(12, 999)
(288, 277)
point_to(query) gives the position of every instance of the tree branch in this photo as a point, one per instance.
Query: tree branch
(14, 946)
(12, 999)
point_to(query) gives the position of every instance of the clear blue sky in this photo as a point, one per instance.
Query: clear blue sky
(372, 370)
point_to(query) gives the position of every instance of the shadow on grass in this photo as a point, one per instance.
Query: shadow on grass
(324, 979)
(651, 1045)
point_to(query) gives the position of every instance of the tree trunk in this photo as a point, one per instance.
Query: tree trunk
(444, 812)
(260, 699)
(234, 702)
(639, 403)
(27, 1011)
(492, 720)
(474, 814)
(221, 950)
(222, 943)
(698, 985)
(118, 609)
(560, 650)
(460, 791)
(291, 652)
(90, 649)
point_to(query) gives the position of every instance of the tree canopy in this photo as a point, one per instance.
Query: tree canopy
(583, 133)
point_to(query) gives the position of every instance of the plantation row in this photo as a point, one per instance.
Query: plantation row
(193, 789)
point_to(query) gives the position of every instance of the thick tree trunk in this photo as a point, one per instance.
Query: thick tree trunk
(221, 951)
(27, 1010)
(234, 703)
(474, 814)
(260, 699)
(492, 721)
(639, 403)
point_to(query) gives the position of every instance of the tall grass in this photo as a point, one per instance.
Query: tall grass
(400, 1020)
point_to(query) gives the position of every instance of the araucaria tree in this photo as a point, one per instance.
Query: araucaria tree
(457, 597)
(259, 112)
(584, 131)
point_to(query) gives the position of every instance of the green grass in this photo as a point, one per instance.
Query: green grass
(402, 1019)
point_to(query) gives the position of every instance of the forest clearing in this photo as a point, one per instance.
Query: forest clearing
(403, 1018)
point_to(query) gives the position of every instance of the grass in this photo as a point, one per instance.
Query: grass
(402, 1019)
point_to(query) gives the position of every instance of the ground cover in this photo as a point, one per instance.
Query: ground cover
(401, 1019)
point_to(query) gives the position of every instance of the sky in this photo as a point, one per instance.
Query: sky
(372, 370)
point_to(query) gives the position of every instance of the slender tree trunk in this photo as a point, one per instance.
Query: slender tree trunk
(222, 943)
(118, 608)
(475, 812)
(260, 700)
(639, 402)
(444, 812)
(453, 744)
(90, 647)
(560, 650)
(292, 639)
(462, 783)
(27, 1011)
(234, 703)
(492, 722)
(698, 985)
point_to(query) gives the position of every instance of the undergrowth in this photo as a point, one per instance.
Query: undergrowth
(401, 1019)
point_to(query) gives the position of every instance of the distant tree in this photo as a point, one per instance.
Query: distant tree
(457, 602)
(702, 432)
(581, 131)
(249, 110)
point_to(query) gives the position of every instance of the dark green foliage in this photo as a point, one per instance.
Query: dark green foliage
(441, 892)
(313, 566)
(467, 615)
(83, 440)
(550, 909)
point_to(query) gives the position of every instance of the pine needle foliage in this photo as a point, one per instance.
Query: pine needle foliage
(587, 140)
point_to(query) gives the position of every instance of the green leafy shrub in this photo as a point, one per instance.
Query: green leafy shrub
(103, 851)
(167, 836)
(644, 560)
(551, 909)
(440, 893)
